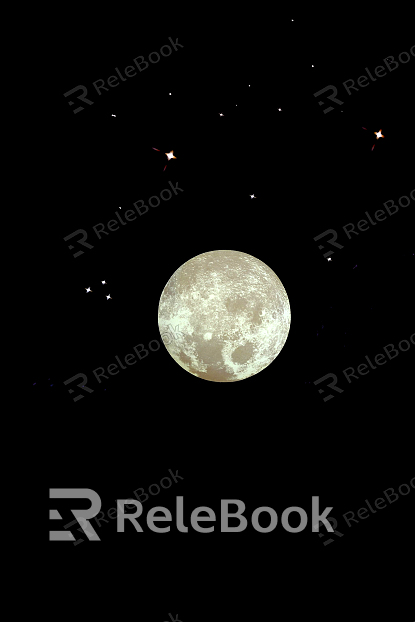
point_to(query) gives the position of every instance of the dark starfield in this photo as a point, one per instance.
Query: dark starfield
(238, 110)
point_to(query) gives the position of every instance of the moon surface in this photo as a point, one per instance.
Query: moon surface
(224, 316)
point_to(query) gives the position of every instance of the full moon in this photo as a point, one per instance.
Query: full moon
(224, 316)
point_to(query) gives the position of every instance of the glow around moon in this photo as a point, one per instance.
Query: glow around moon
(224, 316)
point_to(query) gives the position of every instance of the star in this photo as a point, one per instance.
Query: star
(113, 115)
(88, 289)
(109, 297)
(169, 156)
(252, 196)
(104, 282)
(221, 115)
(279, 109)
(379, 135)
(329, 259)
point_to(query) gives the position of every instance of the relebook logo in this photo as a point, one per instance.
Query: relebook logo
(202, 514)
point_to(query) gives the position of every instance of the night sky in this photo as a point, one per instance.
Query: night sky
(270, 440)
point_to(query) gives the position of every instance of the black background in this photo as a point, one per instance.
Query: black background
(269, 440)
